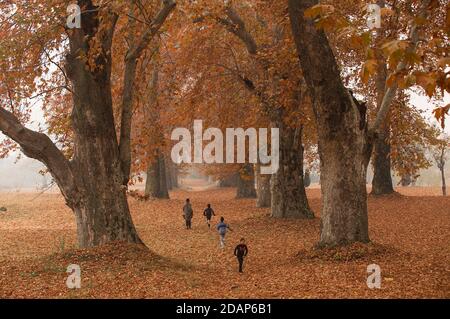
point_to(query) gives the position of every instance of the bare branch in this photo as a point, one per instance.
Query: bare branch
(39, 146)
(237, 26)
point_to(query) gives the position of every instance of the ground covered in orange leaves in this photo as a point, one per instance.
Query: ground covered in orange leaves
(410, 236)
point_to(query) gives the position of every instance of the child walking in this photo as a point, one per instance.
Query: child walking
(240, 252)
(208, 213)
(188, 213)
(222, 229)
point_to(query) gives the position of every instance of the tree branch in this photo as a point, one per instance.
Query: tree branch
(40, 147)
(148, 35)
(129, 77)
(392, 90)
(237, 26)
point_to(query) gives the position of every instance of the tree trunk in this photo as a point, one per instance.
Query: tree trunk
(246, 182)
(155, 185)
(342, 134)
(444, 187)
(230, 181)
(152, 180)
(382, 180)
(168, 175)
(307, 179)
(164, 192)
(263, 195)
(104, 216)
(287, 188)
(405, 180)
(173, 174)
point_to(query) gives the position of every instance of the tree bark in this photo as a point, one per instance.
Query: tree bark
(287, 188)
(246, 182)
(174, 175)
(381, 159)
(382, 180)
(444, 187)
(102, 213)
(263, 193)
(164, 192)
(155, 185)
(342, 135)
(169, 177)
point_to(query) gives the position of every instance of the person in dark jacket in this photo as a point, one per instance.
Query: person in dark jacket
(240, 252)
(208, 213)
(188, 213)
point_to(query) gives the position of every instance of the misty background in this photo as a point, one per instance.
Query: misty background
(23, 174)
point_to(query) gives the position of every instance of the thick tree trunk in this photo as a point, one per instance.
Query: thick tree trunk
(343, 185)
(103, 216)
(155, 185)
(287, 188)
(263, 194)
(342, 134)
(246, 182)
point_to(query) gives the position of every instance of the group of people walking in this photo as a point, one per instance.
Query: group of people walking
(240, 250)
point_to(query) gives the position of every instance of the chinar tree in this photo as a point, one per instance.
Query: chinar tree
(94, 179)
(345, 137)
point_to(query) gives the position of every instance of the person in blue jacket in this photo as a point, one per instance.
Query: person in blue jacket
(222, 228)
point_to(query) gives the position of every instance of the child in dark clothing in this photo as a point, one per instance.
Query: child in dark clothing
(240, 252)
(188, 213)
(208, 213)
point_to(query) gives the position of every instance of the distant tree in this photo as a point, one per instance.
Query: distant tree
(307, 179)
(439, 153)
(246, 182)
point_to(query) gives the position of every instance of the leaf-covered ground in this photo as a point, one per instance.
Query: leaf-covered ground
(410, 242)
